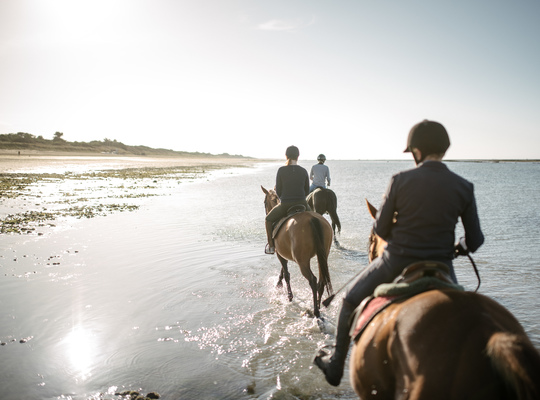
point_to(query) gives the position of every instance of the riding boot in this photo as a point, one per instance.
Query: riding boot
(269, 228)
(333, 363)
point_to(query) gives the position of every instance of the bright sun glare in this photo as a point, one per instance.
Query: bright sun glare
(78, 346)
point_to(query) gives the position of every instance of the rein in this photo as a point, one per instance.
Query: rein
(475, 271)
(327, 302)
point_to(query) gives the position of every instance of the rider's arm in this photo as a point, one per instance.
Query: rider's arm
(279, 183)
(385, 215)
(471, 223)
(328, 175)
(306, 186)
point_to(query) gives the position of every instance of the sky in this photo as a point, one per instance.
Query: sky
(347, 78)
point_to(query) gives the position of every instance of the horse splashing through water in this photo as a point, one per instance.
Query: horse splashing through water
(444, 344)
(323, 200)
(302, 237)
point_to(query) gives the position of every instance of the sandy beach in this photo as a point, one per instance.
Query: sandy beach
(39, 188)
(27, 160)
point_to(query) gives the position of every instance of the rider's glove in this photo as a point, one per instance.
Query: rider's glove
(461, 248)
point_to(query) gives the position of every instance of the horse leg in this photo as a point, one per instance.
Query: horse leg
(285, 274)
(280, 280)
(320, 291)
(306, 271)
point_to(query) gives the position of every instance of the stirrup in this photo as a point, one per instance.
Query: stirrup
(269, 250)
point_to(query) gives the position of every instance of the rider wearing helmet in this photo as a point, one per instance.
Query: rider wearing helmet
(292, 186)
(417, 219)
(320, 174)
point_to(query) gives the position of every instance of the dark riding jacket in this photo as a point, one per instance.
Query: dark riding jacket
(292, 183)
(292, 187)
(420, 211)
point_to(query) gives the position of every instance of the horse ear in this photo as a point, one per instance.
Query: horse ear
(372, 209)
(264, 190)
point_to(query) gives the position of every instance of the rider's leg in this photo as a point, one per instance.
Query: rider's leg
(379, 271)
(332, 363)
(273, 216)
(269, 227)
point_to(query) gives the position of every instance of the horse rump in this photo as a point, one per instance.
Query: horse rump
(517, 362)
(324, 200)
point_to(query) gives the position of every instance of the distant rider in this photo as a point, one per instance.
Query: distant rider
(417, 218)
(320, 174)
(292, 186)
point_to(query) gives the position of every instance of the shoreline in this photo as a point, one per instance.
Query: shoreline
(36, 161)
(42, 190)
(32, 161)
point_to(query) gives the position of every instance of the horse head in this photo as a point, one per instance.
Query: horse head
(376, 243)
(271, 199)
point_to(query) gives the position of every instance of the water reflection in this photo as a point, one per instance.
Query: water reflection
(79, 347)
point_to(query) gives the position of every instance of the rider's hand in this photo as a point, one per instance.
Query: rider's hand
(460, 248)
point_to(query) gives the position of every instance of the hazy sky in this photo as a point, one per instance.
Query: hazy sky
(347, 78)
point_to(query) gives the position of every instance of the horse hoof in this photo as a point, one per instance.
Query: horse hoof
(279, 285)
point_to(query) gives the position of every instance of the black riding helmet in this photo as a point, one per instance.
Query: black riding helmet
(429, 137)
(321, 157)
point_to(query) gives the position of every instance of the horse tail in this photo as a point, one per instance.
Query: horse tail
(322, 257)
(332, 209)
(517, 362)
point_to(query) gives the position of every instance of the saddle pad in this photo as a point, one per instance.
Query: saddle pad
(388, 293)
(415, 287)
(366, 312)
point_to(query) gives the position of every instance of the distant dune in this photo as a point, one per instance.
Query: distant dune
(13, 143)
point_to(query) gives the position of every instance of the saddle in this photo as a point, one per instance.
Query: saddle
(415, 279)
(290, 212)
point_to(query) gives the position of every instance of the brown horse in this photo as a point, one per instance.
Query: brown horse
(445, 344)
(323, 200)
(303, 236)
(376, 243)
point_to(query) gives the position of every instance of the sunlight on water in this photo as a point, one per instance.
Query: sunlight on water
(79, 348)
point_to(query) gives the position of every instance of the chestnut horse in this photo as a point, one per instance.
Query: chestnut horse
(376, 243)
(303, 236)
(445, 344)
(324, 200)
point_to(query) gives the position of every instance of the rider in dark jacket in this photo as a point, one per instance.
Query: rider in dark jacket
(417, 218)
(292, 187)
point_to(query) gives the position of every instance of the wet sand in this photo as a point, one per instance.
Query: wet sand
(28, 161)
(38, 189)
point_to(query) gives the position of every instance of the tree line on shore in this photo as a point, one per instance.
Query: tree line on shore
(27, 141)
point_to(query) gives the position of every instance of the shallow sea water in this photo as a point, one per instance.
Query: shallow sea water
(178, 297)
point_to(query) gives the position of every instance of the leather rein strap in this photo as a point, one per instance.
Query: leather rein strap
(475, 271)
